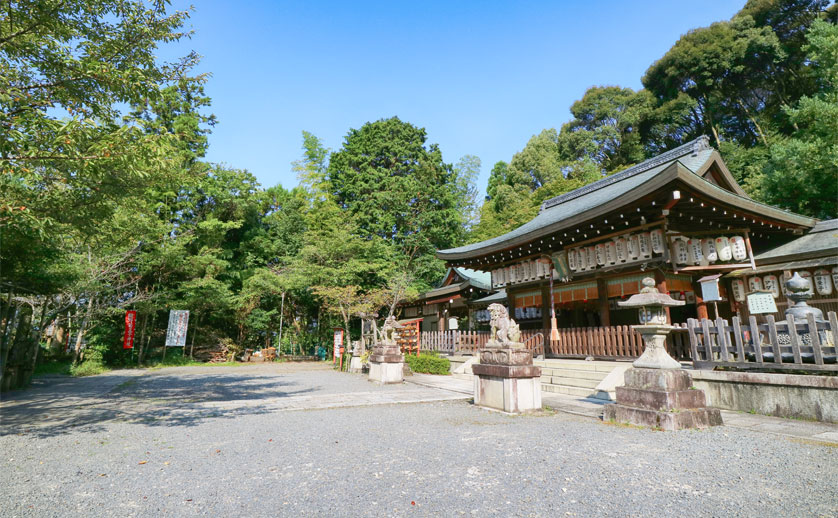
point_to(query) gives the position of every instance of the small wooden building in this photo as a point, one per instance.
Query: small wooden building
(677, 217)
(447, 306)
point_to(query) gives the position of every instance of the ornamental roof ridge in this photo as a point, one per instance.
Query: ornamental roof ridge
(692, 147)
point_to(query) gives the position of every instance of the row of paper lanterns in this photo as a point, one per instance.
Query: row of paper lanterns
(619, 250)
(521, 272)
(644, 244)
(821, 281)
(709, 250)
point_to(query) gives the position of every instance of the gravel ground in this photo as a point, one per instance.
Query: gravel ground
(146, 444)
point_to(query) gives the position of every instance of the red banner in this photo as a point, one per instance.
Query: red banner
(130, 322)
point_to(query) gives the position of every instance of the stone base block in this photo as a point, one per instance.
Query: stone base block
(665, 420)
(386, 372)
(355, 365)
(513, 395)
(661, 398)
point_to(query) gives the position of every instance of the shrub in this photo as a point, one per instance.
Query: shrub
(428, 364)
(87, 368)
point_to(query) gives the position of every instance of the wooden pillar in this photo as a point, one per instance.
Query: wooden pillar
(545, 307)
(700, 305)
(604, 311)
(660, 281)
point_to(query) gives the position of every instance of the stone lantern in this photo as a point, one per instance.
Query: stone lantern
(658, 393)
(651, 310)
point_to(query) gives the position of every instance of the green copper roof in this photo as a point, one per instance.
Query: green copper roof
(686, 162)
(821, 240)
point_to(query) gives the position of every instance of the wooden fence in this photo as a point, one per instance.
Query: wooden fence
(613, 342)
(785, 345)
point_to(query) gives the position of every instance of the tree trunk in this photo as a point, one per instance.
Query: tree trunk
(81, 331)
(194, 333)
(144, 350)
(142, 337)
(6, 344)
(35, 340)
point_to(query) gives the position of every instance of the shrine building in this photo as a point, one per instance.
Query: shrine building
(678, 217)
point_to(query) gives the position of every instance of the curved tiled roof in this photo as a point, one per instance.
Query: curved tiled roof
(694, 157)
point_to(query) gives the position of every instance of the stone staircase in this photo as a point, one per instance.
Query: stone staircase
(580, 378)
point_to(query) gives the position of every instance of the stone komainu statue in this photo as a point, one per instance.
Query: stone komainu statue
(505, 332)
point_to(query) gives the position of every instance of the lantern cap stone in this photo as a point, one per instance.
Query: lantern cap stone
(650, 296)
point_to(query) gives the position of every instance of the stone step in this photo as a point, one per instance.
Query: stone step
(597, 366)
(570, 381)
(573, 373)
(577, 391)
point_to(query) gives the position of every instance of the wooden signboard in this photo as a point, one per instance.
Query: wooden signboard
(761, 302)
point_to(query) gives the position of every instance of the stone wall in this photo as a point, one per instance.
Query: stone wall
(781, 395)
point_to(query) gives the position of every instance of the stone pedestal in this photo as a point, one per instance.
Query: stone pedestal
(355, 365)
(505, 379)
(386, 364)
(661, 398)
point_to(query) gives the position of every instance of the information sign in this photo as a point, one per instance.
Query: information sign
(338, 342)
(176, 333)
(760, 302)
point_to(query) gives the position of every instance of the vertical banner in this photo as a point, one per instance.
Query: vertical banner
(176, 333)
(338, 343)
(130, 324)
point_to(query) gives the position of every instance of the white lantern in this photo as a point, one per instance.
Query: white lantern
(737, 245)
(634, 246)
(835, 276)
(694, 251)
(656, 236)
(582, 259)
(755, 284)
(738, 288)
(590, 252)
(770, 283)
(723, 248)
(645, 242)
(682, 255)
(783, 289)
(823, 284)
(622, 250)
(808, 276)
(599, 250)
(513, 274)
(572, 256)
(708, 247)
(611, 252)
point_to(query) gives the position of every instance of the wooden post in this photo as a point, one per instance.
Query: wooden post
(700, 305)
(604, 311)
(660, 281)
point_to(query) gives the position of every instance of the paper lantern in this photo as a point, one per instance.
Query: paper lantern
(783, 289)
(808, 276)
(772, 284)
(835, 276)
(694, 251)
(708, 248)
(737, 245)
(723, 248)
(582, 259)
(755, 284)
(823, 284)
(738, 288)
(645, 242)
(600, 254)
(611, 252)
(656, 237)
(572, 256)
(590, 252)
(682, 255)
(622, 250)
(634, 246)
(513, 274)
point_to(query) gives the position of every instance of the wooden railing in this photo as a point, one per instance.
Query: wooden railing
(807, 345)
(613, 342)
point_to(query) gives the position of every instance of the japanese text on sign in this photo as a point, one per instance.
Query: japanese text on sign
(176, 333)
(130, 325)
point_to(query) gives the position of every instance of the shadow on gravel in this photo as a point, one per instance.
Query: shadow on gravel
(69, 405)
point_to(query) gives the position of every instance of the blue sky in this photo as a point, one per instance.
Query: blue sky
(480, 77)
